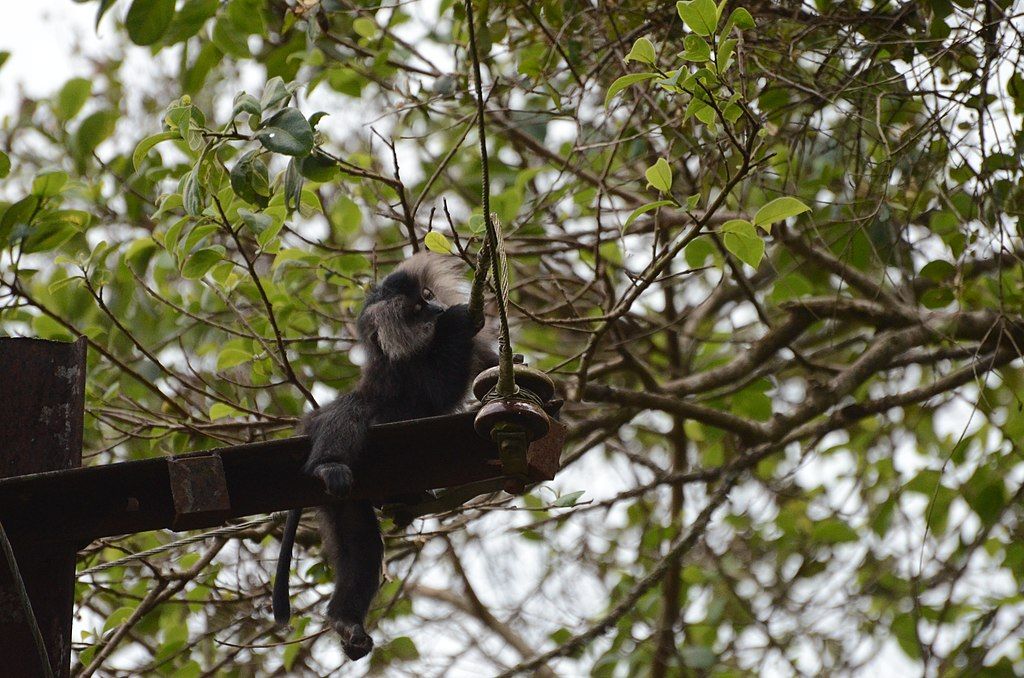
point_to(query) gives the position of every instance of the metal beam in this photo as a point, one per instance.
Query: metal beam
(204, 489)
(42, 396)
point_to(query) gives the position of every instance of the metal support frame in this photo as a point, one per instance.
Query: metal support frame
(50, 507)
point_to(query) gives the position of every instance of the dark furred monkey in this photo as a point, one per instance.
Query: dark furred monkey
(422, 350)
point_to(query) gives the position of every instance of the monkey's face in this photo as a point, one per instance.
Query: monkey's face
(400, 316)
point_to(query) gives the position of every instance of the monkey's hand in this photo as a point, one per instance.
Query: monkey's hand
(336, 477)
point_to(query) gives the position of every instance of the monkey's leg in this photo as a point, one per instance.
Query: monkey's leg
(338, 432)
(351, 535)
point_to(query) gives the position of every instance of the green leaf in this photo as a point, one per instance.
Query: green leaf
(257, 221)
(346, 217)
(833, 531)
(291, 254)
(72, 97)
(292, 186)
(477, 224)
(309, 203)
(266, 237)
(319, 168)
(147, 20)
(741, 239)
(147, 144)
(702, 111)
(642, 51)
(985, 493)
(5, 165)
(753, 402)
(190, 18)
(91, 133)
(49, 236)
(624, 82)
(700, 16)
(246, 103)
(48, 184)
(365, 27)
(643, 209)
(202, 261)
(232, 357)
(196, 236)
(287, 132)
(698, 251)
(192, 193)
(437, 242)
(777, 210)
(696, 48)
(116, 617)
(250, 179)
(740, 18)
(791, 286)
(222, 410)
(904, 627)
(939, 271)
(937, 297)
(139, 253)
(104, 5)
(17, 218)
(401, 648)
(229, 39)
(723, 57)
(58, 285)
(274, 92)
(659, 175)
(567, 500)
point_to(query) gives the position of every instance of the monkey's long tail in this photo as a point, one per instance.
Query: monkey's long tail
(282, 599)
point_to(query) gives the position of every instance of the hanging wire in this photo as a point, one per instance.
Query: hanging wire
(496, 257)
(476, 293)
(26, 604)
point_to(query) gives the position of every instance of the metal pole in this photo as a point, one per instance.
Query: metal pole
(42, 398)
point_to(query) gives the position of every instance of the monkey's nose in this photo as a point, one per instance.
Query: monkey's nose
(436, 309)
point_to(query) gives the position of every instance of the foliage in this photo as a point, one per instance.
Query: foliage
(772, 251)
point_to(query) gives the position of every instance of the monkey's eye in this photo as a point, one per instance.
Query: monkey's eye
(427, 294)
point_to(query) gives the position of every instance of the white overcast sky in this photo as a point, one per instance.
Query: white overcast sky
(41, 36)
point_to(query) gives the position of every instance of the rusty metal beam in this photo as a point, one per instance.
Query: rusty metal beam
(204, 489)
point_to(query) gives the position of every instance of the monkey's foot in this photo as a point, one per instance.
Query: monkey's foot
(336, 477)
(354, 639)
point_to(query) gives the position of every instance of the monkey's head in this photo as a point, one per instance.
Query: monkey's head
(401, 313)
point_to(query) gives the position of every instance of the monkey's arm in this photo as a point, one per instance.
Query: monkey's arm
(459, 330)
(338, 434)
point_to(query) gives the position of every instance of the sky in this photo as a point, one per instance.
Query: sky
(41, 36)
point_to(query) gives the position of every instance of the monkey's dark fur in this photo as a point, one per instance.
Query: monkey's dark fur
(422, 350)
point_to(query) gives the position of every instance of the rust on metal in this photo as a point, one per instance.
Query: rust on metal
(199, 489)
(543, 456)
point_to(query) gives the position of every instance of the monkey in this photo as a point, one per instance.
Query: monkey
(422, 349)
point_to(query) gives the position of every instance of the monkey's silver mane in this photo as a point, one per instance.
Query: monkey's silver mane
(443, 275)
(399, 339)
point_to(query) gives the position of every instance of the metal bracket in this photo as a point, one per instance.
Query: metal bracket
(199, 490)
